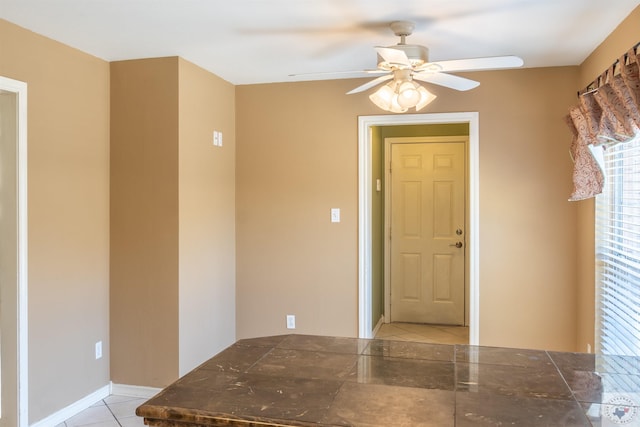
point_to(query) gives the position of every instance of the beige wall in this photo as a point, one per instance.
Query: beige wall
(617, 44)
(144, 222)
(172, 219)
(298, 160)
(68, 204)
(206, 216)
(527, 227)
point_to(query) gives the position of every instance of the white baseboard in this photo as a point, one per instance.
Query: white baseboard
(378, 326)
(75, 408)
(134, 390)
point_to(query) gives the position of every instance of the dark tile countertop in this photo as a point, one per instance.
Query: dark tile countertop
(301, 380)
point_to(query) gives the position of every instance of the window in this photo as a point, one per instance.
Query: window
(618, 252)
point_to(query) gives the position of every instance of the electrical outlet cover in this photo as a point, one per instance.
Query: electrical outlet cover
(291, 321)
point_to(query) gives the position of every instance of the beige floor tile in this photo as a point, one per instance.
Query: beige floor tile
(113, 411)
(416, 328)
(414, 337)
(436, 334)
(398, 338)
(110, 423)
(449, 340)
(126, 408)
(462, 332)
(388, 330)
(97, 415)
(131, 422)
(114, 398)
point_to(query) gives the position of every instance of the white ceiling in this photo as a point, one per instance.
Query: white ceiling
(264, 41)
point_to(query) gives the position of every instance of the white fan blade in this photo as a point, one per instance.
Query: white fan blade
(472, 64)
(371, 83)
(447, 80)
(325, 73)
(393, 56)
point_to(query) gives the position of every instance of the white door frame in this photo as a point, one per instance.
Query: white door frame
(365, 123)
(20, 89)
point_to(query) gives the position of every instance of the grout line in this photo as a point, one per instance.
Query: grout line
(100, 403)
(114, 415)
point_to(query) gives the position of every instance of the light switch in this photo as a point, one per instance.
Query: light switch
(378, 185)
(217, 138)
(335, 214)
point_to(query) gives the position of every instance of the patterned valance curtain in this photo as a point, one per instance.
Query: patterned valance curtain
(608, 112)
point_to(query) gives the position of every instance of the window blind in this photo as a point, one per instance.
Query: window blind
(618, 252)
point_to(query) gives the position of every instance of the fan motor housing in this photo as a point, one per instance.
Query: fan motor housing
(417, 55)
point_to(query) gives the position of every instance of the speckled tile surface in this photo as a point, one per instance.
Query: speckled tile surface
(298, 380)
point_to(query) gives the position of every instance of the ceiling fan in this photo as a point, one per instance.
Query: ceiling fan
(403, 64)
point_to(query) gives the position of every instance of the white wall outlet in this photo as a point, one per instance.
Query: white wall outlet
(335, 214)
(98, 350)
(291, 321)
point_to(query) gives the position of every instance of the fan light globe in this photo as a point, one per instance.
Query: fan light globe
(395, 105)
(425, 98)
(382, 97)
(408, 95)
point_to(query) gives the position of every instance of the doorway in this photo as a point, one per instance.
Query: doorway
(366, 323)
(425, 223)
(13, 253)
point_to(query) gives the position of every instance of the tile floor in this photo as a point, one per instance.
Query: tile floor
(114, 411)
(434, 334)
(119, 411)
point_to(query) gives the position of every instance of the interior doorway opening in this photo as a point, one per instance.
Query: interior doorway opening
(368, 317)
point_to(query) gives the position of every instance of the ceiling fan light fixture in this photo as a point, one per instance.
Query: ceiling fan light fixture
(407, 64)
(399, 96)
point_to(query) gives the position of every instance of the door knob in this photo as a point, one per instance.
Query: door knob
(456, 244)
